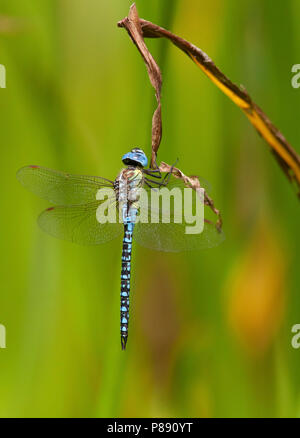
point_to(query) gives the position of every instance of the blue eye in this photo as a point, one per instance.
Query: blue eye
(135, 157)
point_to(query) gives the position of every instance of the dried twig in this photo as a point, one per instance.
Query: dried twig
(132, 24)
(194, 183)
(287, 157)
(133, 27)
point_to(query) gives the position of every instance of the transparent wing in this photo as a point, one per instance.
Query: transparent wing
(79, 224)
(175, 182)
(172, 237)
(61, 188)
(152, 210)
(151, 231)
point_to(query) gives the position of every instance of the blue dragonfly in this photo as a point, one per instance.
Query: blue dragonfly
(74, 216)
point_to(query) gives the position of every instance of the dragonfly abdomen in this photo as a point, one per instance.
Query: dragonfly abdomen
(125, 281)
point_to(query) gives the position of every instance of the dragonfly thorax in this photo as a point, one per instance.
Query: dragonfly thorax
(127, 186)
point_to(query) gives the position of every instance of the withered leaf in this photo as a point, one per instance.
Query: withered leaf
(194, 183)
(139, 29)
(133, 27)
(132, 24)
(287, 157)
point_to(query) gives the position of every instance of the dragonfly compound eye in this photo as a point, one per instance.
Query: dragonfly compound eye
(135, 157)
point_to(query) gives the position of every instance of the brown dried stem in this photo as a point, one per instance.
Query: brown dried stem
(139, 29)
(133, 27)
(194, 183)
(133, 24)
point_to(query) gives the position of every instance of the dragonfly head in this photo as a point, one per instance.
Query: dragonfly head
(135, 157)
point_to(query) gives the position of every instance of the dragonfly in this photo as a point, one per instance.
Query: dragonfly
(76, 203)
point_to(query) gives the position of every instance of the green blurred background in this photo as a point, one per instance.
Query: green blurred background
(210, 332)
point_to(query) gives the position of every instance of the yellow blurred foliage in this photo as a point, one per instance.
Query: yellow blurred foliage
(11, 25)
(257, 291)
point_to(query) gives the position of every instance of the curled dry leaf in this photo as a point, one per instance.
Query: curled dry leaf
(139, 29)
(136, 30)
(194, 183)
(287, 157)
(133, 27)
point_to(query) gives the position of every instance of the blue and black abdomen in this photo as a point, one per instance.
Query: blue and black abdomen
(125, 281)
(126, 184)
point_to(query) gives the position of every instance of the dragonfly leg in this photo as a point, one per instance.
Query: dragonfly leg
(153, 173)
(148, 185)
(151, 181)
(165, 180)
(168, 174)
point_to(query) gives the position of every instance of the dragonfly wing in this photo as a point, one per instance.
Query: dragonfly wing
(61, 188)
(173, 238)
(177, 182)
(162, 225)
(79, 224)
